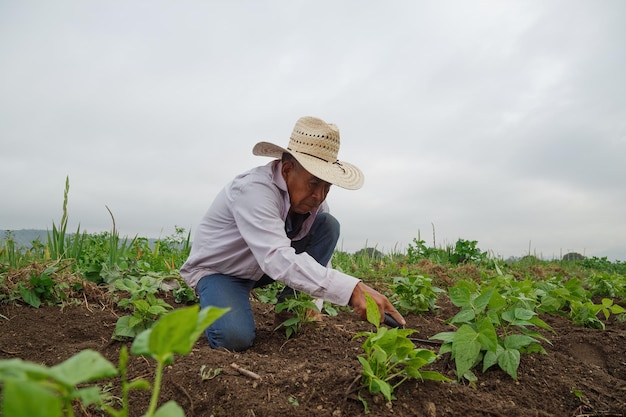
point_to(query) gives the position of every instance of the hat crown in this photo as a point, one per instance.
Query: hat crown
(315, 145)
(314, 137)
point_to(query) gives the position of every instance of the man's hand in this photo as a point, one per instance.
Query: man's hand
(358, 303)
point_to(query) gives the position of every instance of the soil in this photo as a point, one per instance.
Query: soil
(316, 373)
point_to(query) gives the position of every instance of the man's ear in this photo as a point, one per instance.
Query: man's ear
(286, 168)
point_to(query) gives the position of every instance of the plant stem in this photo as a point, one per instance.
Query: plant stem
(155, 391)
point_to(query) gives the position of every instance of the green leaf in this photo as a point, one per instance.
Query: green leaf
(459, 296)
(123, 328)
(607, 302)
(291, 321)
(175, 332)
(384, 388)
(497, 301)
(29, 399)
(136, 321)
(288, 332)
(30, 297)
(367, 368)
(379, 355)
(206, 317)
(480, 303)
(139, 384)
(447, 337)
(509, 361)
(466, 315)
(141, 305)
(617, 309)
(87, 365)
(373, 314)
(21, 369)
(466, 349)
(157, 310)
(170, 334)
(518, 341)
(445, 348)
(434, 376)
(524, 314)
(490, 359)
(169, 409)
(487, 336)
(540, 323)
(88, 395)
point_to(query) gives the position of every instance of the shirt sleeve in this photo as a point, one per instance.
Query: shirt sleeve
(257, 212)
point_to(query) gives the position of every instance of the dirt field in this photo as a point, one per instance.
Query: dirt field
(315, 373)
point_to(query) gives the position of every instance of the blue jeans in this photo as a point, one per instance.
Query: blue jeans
(236, 329)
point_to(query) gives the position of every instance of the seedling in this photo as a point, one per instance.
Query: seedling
(303, 311)
(145, 306)
(207, 374)
(390, 357)
(33, 390)
(580, 396)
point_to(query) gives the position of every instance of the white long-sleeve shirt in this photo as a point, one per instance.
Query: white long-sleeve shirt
(243, 235)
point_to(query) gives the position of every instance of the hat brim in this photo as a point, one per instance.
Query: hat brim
(342, 174)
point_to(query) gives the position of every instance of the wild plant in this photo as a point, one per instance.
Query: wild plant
(34, 390)
(412, 293)
(418, 250)
(60, 245)
(173, 249)
(40, 288)
(463, 251)
(9, 252)
(390, 357)
(106, 257)
(117, 247)
(467, 251)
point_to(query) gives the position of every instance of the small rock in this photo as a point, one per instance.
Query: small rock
(430, 409)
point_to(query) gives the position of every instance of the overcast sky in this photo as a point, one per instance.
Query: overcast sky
(498, 121)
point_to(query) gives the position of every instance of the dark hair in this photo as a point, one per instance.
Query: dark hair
(288, 157)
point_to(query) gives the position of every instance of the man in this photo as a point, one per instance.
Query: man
(272, 224)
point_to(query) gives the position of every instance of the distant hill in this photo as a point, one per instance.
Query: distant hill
(25, 237)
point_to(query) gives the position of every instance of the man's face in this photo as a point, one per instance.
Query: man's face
(306, 191)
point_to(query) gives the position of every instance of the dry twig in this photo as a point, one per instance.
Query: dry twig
(244, 371)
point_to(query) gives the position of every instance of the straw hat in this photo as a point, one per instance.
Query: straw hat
(315, 144)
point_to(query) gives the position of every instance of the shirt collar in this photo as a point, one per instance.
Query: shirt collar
(277, 176)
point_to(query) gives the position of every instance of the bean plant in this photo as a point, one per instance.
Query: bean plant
(390, 357)
(492, 329)
(303, 312)
(412, 293)
(34, 390)
(143, 303)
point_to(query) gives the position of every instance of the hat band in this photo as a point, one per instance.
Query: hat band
(320, 158)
